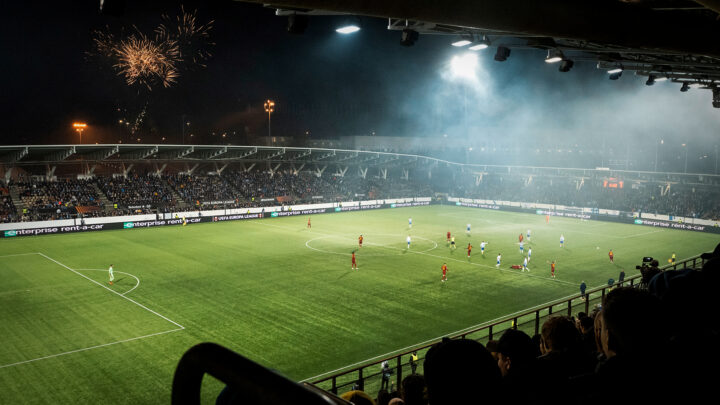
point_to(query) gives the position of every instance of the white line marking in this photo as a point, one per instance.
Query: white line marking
(431, 340)
(307, 244)
(119, 272)
(642, 234)
(555, 280)
(89, 348)
(21, 254)
(114, 292)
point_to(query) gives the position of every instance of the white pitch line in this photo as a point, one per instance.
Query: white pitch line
(114, 292)
(119, 272)
(21, 254)
(431, 340)
(88, 348)
(642, 234)
(444, 258)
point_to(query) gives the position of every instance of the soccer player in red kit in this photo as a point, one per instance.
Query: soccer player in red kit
(354, 262)
(612, 256)
(547, 219)
(444, 270)
(520, 238)
(309, 223)
(360, 239)
(552, 269)
(448, 236)
(469, 250)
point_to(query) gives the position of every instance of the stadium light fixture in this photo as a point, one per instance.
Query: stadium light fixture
(502, 54)
(408, 37)
(79, 127)
(554, 55)
(661, 79)
(484, 43)
(461, 43)
(297, 23)
(349, 26)
(566, 65)
(615, 71)
(348, 29)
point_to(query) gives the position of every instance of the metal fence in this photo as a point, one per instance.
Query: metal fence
(369, 377)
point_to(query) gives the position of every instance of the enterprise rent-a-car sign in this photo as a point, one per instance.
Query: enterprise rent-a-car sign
(50, 230)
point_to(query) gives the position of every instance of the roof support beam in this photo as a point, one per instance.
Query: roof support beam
(362, 172)
(50, 172)
(340, 172)
(319, 171)
(126, 170)
(295, 170)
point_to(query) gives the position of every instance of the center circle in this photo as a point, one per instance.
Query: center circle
(373, 244)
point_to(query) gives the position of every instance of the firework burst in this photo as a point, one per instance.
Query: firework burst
(146, 61)
(156, 60)
(193, 39)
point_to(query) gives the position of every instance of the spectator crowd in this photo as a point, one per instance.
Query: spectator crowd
(654, 343)
(253, 188)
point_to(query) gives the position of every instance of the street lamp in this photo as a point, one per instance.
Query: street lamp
(79, 127)
(269, 108)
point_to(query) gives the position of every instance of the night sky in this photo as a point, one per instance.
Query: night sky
(322, 82)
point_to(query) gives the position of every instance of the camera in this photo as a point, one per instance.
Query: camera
(645, 262)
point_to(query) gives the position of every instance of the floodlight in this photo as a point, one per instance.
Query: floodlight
(554, 55)
(464, 66)
(461, 43)
(566, 65)
(482, 44)
(616, 74)
(615, 71)
(502, 54)
(685, 87)
(348, 29)
(408, 37)
(661, 79)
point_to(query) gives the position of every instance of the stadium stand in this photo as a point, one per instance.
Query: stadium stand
(56, 199)
(7, 208)
(137, 190)
(665, 194)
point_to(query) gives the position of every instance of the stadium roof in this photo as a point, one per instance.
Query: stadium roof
(660, 39)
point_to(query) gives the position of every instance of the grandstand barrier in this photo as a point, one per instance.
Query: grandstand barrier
(10, 230)
(595, 214)
(367, 376)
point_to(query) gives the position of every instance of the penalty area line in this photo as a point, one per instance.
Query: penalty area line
(88, 348)
(113, 291)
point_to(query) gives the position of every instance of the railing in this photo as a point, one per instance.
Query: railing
(528, 320)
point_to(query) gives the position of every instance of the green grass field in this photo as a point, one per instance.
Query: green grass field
(279, 293)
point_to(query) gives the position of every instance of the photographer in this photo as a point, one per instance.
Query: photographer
(648, 270)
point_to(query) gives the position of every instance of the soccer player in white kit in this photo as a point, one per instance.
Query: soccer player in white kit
(522, 248)
(482, 247)
(468, 229)
(498, 260)
(528, 235)
(525, 265)
(409, 222)
(562, 240)
(408, 241)
(529, 253)
(112, 276)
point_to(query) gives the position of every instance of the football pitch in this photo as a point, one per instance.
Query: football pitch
(281, 293)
